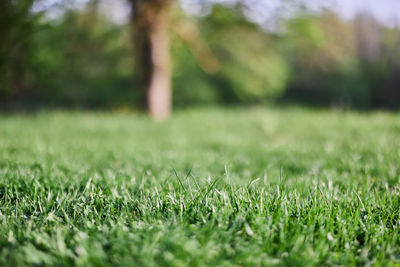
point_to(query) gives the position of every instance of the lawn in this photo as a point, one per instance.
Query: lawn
(246, 187)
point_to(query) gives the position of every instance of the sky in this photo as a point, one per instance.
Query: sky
(386, 11)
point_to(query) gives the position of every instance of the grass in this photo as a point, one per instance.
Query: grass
(209, 187)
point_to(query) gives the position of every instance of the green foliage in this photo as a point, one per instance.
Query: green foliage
(90, 68)
(324, 60)
(82, 59)
(340, 63)
(192, 85)
(251, 67)
(209, 187)
(16, 30)
(79, 60)
(249, 70)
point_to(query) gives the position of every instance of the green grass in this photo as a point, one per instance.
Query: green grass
(209, 187)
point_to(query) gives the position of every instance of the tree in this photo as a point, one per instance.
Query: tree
(151, 40)
(17, 24)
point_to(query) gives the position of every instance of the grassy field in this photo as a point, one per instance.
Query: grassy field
(209, 187)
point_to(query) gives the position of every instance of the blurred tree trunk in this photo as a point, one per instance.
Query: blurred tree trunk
(151, 39)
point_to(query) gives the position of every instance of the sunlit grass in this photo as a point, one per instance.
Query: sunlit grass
(208, 187)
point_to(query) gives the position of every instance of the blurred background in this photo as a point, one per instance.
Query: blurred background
(83, 54)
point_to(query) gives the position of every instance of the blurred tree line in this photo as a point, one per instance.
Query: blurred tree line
(83, 59)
